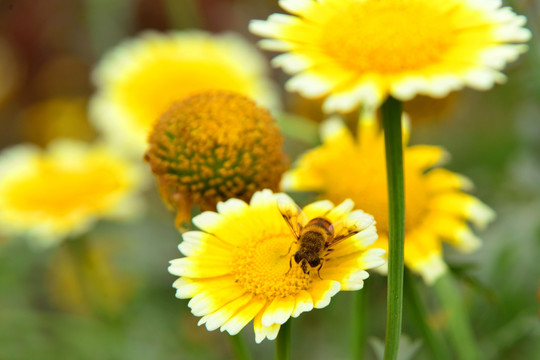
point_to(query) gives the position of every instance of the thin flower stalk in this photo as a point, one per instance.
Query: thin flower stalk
(391, 116)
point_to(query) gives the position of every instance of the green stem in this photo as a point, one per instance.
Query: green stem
(437, 345)
(283, 342)
(458, 325)
(359, 311)
(240, 349)
(391, 117)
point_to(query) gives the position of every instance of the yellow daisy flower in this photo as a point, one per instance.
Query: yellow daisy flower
(242, 266)
(49, 195)
(139, 79)
(361, 51)
(436, 208)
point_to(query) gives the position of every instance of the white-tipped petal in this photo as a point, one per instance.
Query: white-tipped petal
(303, 303)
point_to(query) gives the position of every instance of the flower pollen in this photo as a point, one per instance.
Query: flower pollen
(263, 268)
(386, 41)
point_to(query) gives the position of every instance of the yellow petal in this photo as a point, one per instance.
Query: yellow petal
(244, 316)
(279, 311)
(216, 319)
(197, 267)
(303, 303)
(262, 332)
(321, 292)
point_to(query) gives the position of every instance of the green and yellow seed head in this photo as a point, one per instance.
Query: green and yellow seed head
(214, 146)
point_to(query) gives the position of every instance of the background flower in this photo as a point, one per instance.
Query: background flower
(49, 195)
(237, 269)
(362, 51)
(140, 78)
(436, 208)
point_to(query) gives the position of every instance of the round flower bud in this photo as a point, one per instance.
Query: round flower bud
(213, 146)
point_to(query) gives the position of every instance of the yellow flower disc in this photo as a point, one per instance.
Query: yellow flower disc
(241, 266)
(214, 146)
(436, 207)
(60, 192)
(361, 51)
(140, 78)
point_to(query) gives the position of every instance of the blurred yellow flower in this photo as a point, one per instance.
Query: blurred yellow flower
(139, 79)
(214, 146)
(361, 51)
(49, 195)
(241, 267)
(436, 208)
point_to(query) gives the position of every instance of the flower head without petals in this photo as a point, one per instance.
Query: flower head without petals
(140, 78)
(49, 195)
(436, 207)
(361, 51)
(240, 267)
(213, 146)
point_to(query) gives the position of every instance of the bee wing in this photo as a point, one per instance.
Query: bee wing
(356, 222)
(292, 214)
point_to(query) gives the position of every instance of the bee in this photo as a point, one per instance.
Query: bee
(316, 239)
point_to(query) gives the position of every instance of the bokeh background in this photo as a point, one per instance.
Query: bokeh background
(115, 301)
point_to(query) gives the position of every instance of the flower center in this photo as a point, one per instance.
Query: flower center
(387, 36)
(366, 185)
(59, 191)
(265, 268)
(194, 157)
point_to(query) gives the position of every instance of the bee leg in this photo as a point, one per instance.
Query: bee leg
(288, 251)
(319, 269)
(290, 266)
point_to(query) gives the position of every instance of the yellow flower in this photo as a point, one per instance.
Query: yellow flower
(361, 51)
(240, 267)
(214, 146)
(436, 208)
(49, 195)
(139, 79)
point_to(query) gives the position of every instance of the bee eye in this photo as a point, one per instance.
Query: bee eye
(314, 262)
(298, 257)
